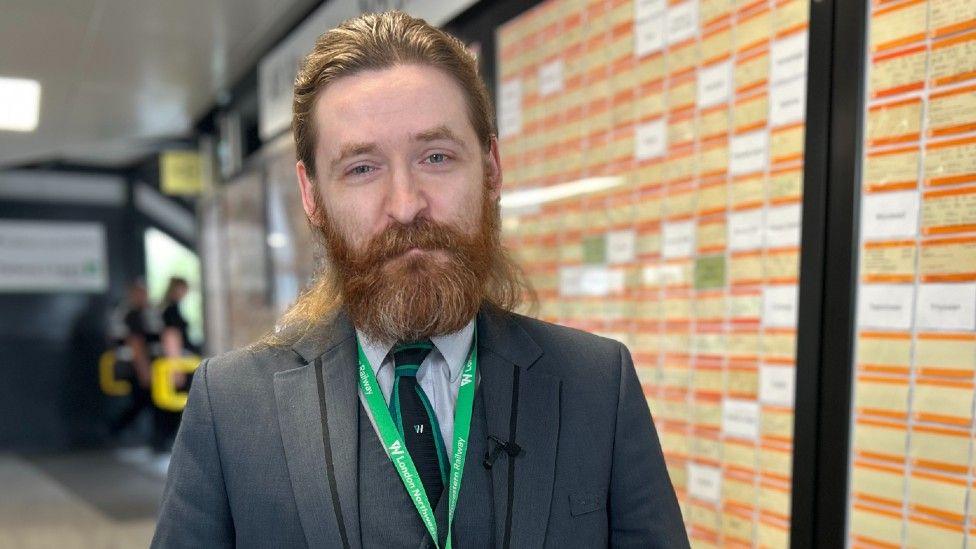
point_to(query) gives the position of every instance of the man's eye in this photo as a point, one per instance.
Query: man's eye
(437, 158)
(360, 170)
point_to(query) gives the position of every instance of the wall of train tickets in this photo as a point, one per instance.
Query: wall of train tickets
(912, 458)
(653, 155)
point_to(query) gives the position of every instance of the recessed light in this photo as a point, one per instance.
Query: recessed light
(20, 103)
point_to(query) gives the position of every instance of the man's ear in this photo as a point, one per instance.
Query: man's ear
(307, 187)
(493, 169)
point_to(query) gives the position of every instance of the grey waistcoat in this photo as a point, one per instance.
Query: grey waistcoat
(388, 519)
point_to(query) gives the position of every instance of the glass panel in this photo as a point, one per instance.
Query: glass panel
(916, 344)
(653, 158)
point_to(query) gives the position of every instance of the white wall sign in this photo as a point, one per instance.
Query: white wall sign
(49, 256)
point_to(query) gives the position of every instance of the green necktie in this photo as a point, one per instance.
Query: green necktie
(415, 418)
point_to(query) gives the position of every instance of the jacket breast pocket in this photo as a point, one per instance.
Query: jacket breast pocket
(582, 502)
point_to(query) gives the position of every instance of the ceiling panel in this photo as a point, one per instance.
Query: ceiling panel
(137, 71)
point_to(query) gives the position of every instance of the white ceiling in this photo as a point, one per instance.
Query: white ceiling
(118, 76)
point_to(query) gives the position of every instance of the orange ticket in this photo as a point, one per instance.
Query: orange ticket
(891, 169)
(953, 59)
(753, 29)
(716, 44)
(785, 184)
(951, 16)
(876, 395)
(786, 143)
(889, 261)
(880, 439)
(898, 25)
(751, 70)
(949, 211)
(714, 121)
(747, 191)
(948, 260)
(943, 401)
(946, 354)
(876, 483)
(898, 71)
(952, 111)
(940, 448)
(895, 122)
(712, 197)
(951, 162)
(750, 113)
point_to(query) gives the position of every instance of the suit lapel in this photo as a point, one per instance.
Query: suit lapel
(503, 346)
(300, 420)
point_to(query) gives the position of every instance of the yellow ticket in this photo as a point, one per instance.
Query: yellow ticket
(952, 111)
(946, 353)
(943, 401)
(953, 59)
(774, 499)
(898, 72)
(790, 16)
(940, 448)
(677, 308)
(776, 461)
(884, 396)
(710, 307)
(714, 158)
(711, 10)
(873, 525)
(682, 94)
(680, 202)
(712, 198)
(951, 16)
(776, 423)
(747, 191)
(878, 483)
(705, 448)
(922, 531)
(743, 382)
(682, 130)
(751, 113)
(711, 236)
(650, 69)
(787, 143)
(779, 345)
(898, 25)
(707, 413)
(680, 166)
(751, 70)
(648, 243)
(740, 454)
(744, 345)
(783, 266)
(880, 439)
(951, 162)
(716, 45)
(737, 527)
(746, 268)
(949, 211)
(888, 261)
(944, 495)
(682, 58)
(891, 168)
(753, 29)
(745, 306)
(714, 122)
(894, 122)
(650, 175)
(948, 260)
(773, 535)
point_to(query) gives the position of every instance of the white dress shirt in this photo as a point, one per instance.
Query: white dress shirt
(439, 375)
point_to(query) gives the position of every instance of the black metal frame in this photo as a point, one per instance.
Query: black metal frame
(828, 267)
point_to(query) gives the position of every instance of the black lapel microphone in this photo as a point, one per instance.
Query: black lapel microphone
(508, 447)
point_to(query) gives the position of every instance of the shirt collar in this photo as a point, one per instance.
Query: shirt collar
(453, 347)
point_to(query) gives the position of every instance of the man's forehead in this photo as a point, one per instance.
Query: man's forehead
(396, 103)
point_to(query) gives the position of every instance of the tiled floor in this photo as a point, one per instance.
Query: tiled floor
(82, 500)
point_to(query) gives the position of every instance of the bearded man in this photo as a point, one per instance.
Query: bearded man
(401, 402)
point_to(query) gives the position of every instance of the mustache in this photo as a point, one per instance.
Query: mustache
(424, 234)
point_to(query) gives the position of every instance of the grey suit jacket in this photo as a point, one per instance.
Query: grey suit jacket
(249, 462)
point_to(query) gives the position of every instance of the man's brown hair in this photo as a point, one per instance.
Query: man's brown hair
(375, 41)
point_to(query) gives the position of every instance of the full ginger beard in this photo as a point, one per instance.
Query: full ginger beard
(394, 295)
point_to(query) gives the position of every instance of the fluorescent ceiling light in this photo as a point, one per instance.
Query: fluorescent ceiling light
(20, 104)
(528, 198)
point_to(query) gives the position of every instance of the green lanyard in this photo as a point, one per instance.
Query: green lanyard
(396, 449)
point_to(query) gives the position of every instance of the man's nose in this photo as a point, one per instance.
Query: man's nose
(406, 198)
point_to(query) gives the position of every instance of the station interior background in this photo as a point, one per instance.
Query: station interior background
(771, 202)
